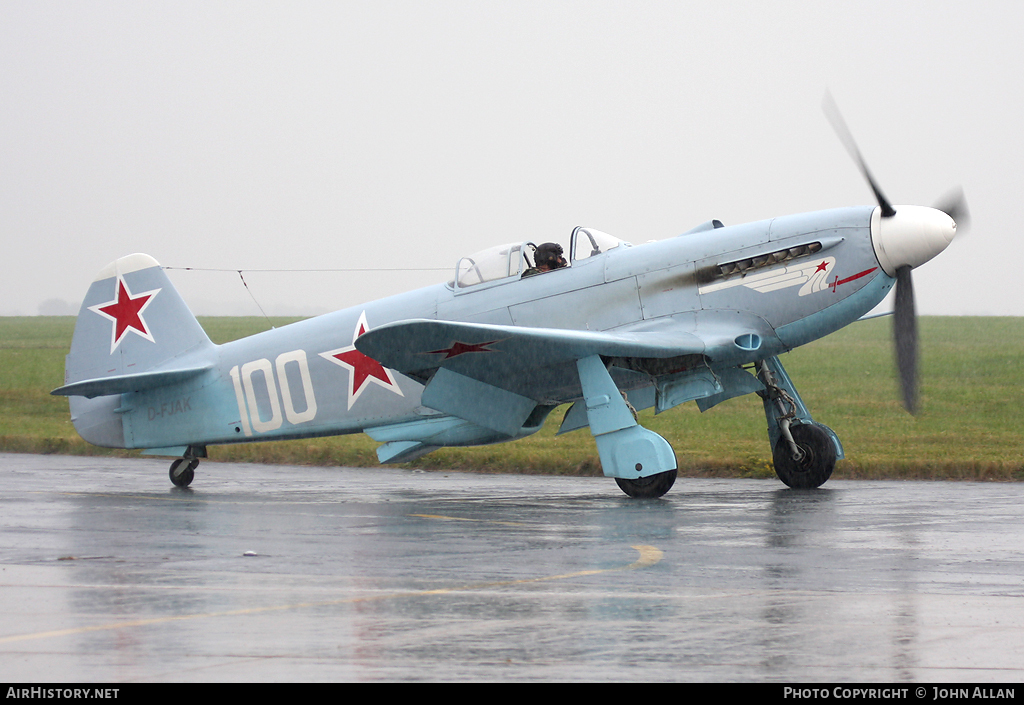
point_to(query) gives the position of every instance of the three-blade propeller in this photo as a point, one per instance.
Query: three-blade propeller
(905, 316)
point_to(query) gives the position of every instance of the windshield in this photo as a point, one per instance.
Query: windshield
(489, 265)
(587, 242)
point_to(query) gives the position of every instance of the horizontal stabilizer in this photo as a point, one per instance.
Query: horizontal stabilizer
(122, 384)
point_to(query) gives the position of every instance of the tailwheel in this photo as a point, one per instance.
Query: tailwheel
(649, 487)
(183, 471)
(815, 461)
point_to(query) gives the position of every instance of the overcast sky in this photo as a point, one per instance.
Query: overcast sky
(329, 135)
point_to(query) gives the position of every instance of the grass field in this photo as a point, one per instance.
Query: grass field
(968, 427)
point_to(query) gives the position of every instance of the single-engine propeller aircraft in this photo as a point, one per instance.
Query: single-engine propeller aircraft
(485, 357)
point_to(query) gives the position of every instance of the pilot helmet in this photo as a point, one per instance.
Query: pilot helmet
(550, 254)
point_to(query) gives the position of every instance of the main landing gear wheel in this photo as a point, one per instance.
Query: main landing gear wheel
(817, 460)
(183, 471)
(648, 487)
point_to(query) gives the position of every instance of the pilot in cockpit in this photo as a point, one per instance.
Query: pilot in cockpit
(548, 257)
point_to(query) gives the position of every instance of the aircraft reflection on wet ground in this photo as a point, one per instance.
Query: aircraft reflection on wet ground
(383, 574)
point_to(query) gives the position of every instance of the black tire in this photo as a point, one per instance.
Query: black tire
(818, 461)
(648, 487)
(183, 471)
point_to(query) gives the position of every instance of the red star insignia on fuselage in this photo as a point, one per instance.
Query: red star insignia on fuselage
(363, 369)
(458, 348)
(126, 313)
(821, 267)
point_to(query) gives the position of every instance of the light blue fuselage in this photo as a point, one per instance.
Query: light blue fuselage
(287, 382)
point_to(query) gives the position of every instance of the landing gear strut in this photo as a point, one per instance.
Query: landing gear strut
(642, 462)
(804, 452)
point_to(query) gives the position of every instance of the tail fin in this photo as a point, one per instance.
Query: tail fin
(133, 332)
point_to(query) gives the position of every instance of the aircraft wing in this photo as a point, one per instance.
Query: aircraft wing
(495, 376)
(494, 353)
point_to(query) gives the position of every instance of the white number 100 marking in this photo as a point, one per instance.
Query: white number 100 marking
(245, 393)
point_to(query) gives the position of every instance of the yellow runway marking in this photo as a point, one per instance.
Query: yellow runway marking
(649, 555)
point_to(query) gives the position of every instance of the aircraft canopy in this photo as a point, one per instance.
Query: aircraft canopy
(512, 259)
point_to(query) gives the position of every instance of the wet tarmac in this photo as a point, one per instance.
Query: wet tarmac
(268, 573)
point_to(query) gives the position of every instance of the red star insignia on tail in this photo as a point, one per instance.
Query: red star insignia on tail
(363, 369)
(126, 313)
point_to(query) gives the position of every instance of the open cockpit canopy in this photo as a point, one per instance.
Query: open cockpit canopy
(511, 260)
